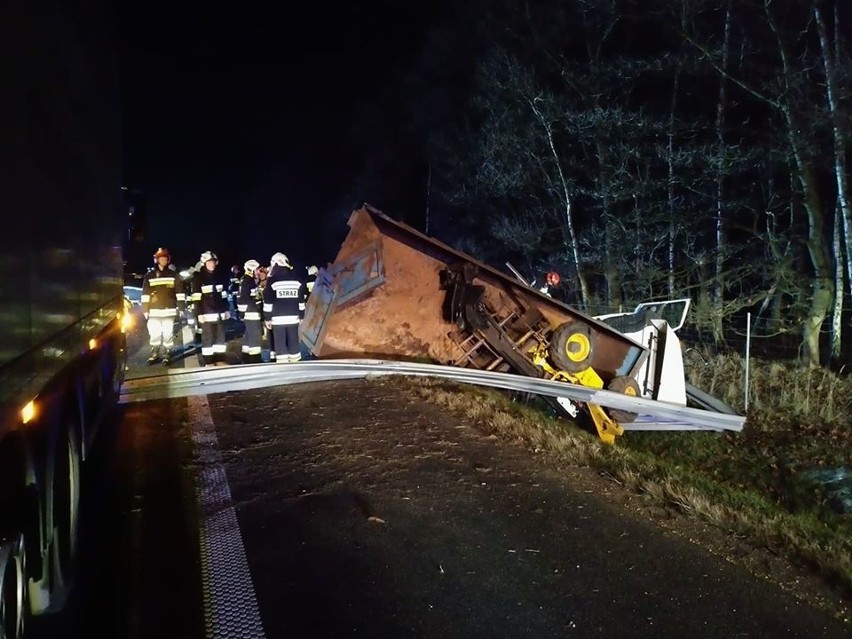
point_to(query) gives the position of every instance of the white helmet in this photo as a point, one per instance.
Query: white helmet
(206, 256)
(251, 266)
(279, 259)
(313, 270)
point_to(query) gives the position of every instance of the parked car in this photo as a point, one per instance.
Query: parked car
(134, 294)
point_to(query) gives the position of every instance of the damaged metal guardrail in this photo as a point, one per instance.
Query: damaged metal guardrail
(651, 414)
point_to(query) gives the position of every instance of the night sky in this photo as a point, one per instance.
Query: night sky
(238, 121)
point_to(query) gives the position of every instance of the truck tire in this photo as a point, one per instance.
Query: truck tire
(14, 605)
(572, 347)
(64, 518)
(627, 386)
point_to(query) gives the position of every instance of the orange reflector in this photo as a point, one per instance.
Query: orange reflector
(28, 412)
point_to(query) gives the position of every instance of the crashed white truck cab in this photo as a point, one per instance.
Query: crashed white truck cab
(654, 325)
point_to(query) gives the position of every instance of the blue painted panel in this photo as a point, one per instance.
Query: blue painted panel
(358, 275)
(317, 312)
(340, 284)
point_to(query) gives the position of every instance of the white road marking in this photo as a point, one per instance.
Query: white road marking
(230, 604)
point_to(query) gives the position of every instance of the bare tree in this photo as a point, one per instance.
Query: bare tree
(843, 217)
(572, 243)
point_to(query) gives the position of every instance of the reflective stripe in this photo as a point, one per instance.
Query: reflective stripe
(145, 298)
(167, 342)
(181, 297)
(267, 308)
(251, 350)
(162, 281)
(207, 288)
(196, 297)
(242, 307)
(285, 320)
(286, 288)
(209, 317)
(162, 312)
(251, 315)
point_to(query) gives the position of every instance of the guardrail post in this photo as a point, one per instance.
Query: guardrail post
(747, 353)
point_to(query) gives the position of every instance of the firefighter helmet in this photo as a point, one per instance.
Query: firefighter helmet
(206, 256)
(251, 266)
(553, 278)
(279, 259)
(161, 252)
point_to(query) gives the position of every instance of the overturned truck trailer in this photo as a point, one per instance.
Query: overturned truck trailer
(395, 293)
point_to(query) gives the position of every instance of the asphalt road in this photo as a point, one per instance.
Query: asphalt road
(362, 513)
(368, 514)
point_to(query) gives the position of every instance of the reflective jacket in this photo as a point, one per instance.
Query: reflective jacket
(162, 293)
(283, 297)
(209, 295)
(248, 302)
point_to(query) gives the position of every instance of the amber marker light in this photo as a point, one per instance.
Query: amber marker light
(28, 412)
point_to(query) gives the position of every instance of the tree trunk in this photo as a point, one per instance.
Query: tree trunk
(843, 218)
(720, 241)
(573, 244)
(822, 283)
(671, 193)
(837, 313)
(612, 273)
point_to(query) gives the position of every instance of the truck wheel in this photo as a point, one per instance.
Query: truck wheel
(627, 386)
(572, 346)
(112, 375)
(13, 591)
(65, 518)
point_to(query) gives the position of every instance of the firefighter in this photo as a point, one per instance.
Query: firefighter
(236, 277)
(551, 280)
(210, 297)
(250, 308)
(261, 275)
(312, 278)
(283, 305)
(163, 304)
